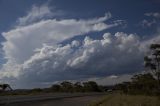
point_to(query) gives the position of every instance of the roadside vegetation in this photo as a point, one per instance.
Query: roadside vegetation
(127, 100)
(63, 87)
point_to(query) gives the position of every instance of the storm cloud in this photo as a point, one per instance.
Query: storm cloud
(36, 53)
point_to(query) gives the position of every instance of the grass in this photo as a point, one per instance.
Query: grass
(127, 100)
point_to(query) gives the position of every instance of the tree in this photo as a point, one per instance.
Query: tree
(152, 61)
(124, 86)
(36, 90)
(78, 87)
(5, 86)
(67, 86)
(144, 83)
(56, 88)
(91, 86)
(139, 84)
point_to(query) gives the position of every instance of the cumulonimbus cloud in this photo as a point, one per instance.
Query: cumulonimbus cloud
(113, 54)
(21, 42)
(24, 41)
(35, 55)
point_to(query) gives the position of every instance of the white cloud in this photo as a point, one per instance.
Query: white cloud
(75, 43)
(146, 23)
(101, 19)
(22, 41)
(110, 55)
(37, 13)
(34, 43)
(113, 54)
(111, 80)
(153, 14)
(113, 77)
(153, 20)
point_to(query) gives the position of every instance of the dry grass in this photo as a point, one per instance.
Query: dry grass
(127, 100)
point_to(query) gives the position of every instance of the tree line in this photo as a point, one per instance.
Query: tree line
(67, 86)
(140, 84)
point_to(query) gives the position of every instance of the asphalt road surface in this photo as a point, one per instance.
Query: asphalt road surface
(51, 100)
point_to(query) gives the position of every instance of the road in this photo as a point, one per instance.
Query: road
(59, 99)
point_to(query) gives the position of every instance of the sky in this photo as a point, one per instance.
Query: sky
(45, 42)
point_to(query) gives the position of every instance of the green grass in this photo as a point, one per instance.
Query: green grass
(127, 100)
